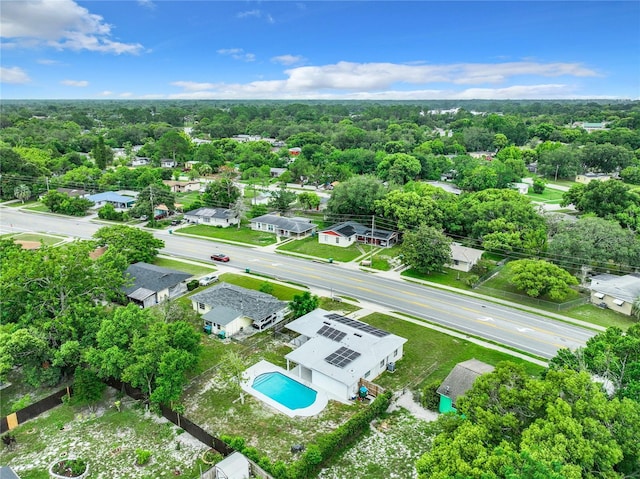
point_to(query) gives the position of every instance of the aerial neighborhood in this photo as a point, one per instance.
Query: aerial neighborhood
(412, 289)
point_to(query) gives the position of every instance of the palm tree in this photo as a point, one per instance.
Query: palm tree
(22, 192)
(635, 310)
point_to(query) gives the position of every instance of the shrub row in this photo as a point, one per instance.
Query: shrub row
(319, 454)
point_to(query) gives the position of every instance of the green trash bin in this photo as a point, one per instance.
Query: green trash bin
(247, 270)
(330, 260)
(170, 232)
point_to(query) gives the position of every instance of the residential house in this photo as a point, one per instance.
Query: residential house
(276, 172)
(229, 309)
(288, 227)
(349, 232)
(117, 200)
(591, 126)
(334, 352)
(160, 211)
(168, 163)
(464, 258)
(190, 165)
(154, 284)
(140, 161)
(459, 381)
(615, 292)
(182, 186)
(212, 216)
(587, 178)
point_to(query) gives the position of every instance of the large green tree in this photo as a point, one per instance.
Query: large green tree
(427, 249)
(282, 200)
(512, 425)
(221, 193)
(133, 243)
(356, 196)
(150, 198)
(540, 278)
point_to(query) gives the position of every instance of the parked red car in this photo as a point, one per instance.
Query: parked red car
(220, 257)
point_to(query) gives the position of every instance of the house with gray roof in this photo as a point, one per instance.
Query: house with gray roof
(7, 472)
(464, 258)
(279, 225)
(230, 309)
(615, 292)
(212, 216)
(117, 200)
(153, 284)
(459, 381)
(334, 352)
(349, 232)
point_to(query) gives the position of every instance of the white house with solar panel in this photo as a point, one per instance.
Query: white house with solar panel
(334, 352)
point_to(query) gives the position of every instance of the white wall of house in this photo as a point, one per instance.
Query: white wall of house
(333, 240)
(269, 228)
(460, 265)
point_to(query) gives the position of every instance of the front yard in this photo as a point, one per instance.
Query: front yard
(243, 234)
(311, 247)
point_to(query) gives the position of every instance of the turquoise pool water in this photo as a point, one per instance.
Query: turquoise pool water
(283, 389)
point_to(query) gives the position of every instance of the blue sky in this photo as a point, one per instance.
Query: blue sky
(380, 50)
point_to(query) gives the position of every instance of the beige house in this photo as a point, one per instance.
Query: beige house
(182, 186)
(615, 292)
(587, 178)
(464, 258)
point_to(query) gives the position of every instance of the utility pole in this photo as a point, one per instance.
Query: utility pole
(557, 166)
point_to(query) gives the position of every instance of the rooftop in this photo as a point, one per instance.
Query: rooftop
(248, 302)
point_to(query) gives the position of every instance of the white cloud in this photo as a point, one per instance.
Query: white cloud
(77, 83)
(61, 24)
(237, 54)
(288, 59)
(256, 14)
(46, 61)
(14, 75)
(195, 86)
(125, 94)
(106, 93)
(147, 4)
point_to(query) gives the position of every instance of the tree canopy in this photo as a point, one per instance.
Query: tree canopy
(133, 243)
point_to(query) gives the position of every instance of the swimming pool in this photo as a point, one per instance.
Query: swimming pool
(284, 390)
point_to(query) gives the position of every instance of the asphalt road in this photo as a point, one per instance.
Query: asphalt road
(507, 326)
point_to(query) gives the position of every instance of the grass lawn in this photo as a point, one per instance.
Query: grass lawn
(107, 440)
(430, 355)
(311, 247)
(549, 195)
(602, 317)
(37, 207)
(383, 256)
(189, 197)
(283, 293)
(242, 235)
(18, 204)
(191, 268)
(448, 277)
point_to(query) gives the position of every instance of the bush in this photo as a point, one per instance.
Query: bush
(142, 456)
(539, 185)
(21, 403)
(193, 284)
(430, 398)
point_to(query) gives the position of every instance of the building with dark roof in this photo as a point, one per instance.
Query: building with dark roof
(153, 284)
(615, 292)
(349, 232)
(279, 225)
(459, 381)
(212, 216)
(229, 308)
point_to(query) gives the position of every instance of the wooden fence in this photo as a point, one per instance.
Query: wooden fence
(13, 420)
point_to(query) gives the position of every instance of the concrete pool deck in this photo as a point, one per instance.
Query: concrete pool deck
(263, 367)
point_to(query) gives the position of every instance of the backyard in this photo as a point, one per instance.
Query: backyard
(107, 439)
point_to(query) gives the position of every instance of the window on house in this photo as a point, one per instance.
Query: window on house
(206, 220)
(270, 227)
(367, 374)
(382, 363)
(456, 262)
(395, 353)
(200, 305)
(337, 240)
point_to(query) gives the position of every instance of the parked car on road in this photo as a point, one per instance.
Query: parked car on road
(220, 257)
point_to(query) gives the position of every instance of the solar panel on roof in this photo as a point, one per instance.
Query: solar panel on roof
(341, 357)
(357, 325)
(331, 333)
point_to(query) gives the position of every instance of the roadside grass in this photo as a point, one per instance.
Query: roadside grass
(602, 317)
(329, 304)
(389, 449)
(243, 234)
(37, 207)
(311, 247)
(106, 439)
(447, 277)
(191, 268)
(430, 355)
(19, 204)
(382, 258)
